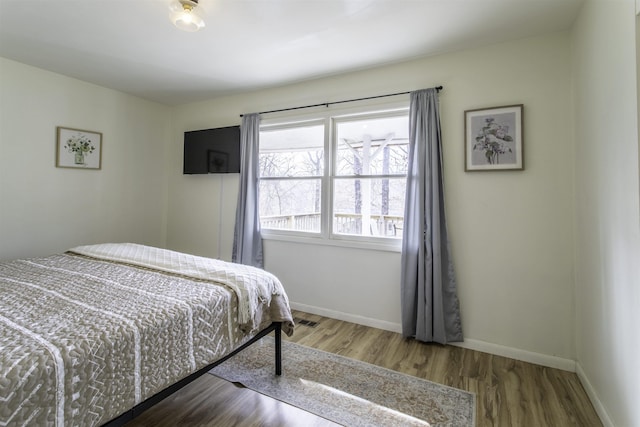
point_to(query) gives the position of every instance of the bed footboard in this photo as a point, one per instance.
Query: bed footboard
(276, 327)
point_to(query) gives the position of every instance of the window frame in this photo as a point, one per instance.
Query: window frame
(330, 116)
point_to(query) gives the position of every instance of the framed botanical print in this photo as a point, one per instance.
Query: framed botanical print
(493, 139)
(78, 148)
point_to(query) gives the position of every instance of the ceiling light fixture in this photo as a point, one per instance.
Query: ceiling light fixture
(185, 16)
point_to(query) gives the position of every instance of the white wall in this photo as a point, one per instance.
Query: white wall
(607, 213)
(44, 209)
(511, 231)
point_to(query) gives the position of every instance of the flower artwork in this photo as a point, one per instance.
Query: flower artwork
(494, 138)
(78, 148)
(81, 146)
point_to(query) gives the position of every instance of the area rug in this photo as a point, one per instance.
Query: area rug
(347, 391)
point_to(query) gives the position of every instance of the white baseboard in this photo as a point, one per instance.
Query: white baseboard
(485, 347)
(593, 396)
(360, 320)
(518, 354)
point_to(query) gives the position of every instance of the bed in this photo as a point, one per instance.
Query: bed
(97, 334)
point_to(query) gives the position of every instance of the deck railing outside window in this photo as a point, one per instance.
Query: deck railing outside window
(381, 225)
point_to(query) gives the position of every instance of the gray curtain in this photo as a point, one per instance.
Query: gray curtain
(430, 308)
(247, 242)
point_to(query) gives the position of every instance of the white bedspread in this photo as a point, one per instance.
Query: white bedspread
(252, 285)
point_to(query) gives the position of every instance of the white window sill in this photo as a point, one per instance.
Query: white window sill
(376, 244)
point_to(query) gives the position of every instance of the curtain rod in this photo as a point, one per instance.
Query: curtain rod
(326, 104)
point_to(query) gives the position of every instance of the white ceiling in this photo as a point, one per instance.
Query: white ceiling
(131, 46)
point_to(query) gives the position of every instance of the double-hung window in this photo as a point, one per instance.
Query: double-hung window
(337, 178)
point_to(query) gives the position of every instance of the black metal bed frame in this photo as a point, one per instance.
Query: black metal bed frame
(143, 406)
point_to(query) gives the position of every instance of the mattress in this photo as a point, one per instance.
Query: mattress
(88, 334)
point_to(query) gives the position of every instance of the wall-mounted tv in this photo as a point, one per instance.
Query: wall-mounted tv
(212, 150)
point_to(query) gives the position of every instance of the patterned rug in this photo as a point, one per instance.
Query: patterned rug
(347, 391)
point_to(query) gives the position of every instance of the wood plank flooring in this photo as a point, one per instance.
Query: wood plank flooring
(508, 392)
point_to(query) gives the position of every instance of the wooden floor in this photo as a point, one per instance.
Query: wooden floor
(508, 392)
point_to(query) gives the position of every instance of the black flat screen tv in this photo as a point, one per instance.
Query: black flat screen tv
(212, 151)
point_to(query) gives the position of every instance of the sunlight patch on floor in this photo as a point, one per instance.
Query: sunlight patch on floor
(345, 395)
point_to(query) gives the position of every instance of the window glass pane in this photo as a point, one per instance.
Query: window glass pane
(297, 151)
(290, 204)
(374, 146)
(369, 207)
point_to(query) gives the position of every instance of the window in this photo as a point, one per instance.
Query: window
(338, 178)
(291, 173)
